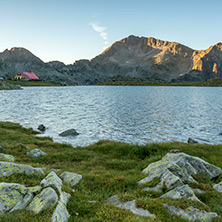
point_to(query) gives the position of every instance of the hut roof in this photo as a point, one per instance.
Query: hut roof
(29, 75)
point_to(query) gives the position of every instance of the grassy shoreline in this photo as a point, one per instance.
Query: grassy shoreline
(33, 83)
(141, 82)
(108, 168)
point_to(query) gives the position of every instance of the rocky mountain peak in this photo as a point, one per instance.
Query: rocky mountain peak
(20, 55)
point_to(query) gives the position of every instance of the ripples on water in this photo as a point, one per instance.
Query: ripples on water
(130, 114)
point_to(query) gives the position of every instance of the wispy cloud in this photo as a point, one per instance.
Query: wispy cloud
(101, 31)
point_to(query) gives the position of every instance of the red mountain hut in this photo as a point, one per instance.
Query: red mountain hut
(25, 76)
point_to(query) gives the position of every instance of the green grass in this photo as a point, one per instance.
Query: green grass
(132, 81)
(108, 168)
(32, 83)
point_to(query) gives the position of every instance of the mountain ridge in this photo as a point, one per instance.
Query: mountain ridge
(133, 56)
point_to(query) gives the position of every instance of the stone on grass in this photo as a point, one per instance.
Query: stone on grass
(5, 157)
(64, 197)
(177, 169)
(184, 192)
(71, 178)
(52, 180)
(218, 187)
(130, 205)
(70, 132)
(14, 197)
(44, 200)
(7, 169)
(61, 213)
(36, 153)
(191, 213)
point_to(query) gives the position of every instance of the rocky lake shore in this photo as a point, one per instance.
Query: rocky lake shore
(41, 180)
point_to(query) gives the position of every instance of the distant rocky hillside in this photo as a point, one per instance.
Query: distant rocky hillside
(133, 57)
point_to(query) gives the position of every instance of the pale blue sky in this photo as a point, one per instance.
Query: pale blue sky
(68, 30)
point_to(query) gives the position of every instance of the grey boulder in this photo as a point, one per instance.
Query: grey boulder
(218, 187)
(5, 157)
(44, 200)
(184, 192)
(14, 197)
(36, 153)
(177, 169)
(71, 178)
(131, 206)
(61, 213)
(7, 169)
(52, 180)
(191, 214)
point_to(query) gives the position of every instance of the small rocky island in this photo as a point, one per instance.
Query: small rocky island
(45, 181)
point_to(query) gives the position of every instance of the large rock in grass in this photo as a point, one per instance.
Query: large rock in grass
(44, 200)
(7, 169)
(177, 169)
(70, 132)
(52, 180)
(36, 153)
(191, 213)
(131, 206)
(14, 197)
(61, 213)
(71, 178)
(184, 192)
(5, 157)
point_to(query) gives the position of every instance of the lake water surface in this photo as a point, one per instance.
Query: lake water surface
(132, 114)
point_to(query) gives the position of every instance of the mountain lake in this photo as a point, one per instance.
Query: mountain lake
(131, 114)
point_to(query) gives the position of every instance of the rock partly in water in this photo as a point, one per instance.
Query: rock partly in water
(7, 169)
(46, 199)
(191, 213)
(177, 169)
(52, 180)
(5, 157)
(14, 197)
(61, 213)
(190, 140)
(70, 132)
(184, 192)
(71, 178)
(36, 153)
(41, 127)
(130, 205)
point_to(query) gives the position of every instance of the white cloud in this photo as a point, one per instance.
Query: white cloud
(101, 31)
